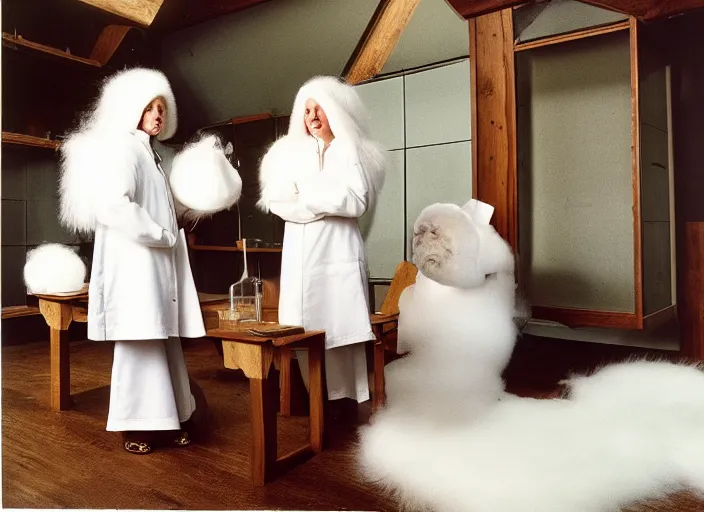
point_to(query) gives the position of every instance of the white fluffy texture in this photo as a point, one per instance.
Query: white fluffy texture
(124, 97)
(456, 323)
(349, 122)
(289, 159)
(53, 268)
(450, 439)
(203, 180)
(633, 432)
(457, 246)
(97, 158)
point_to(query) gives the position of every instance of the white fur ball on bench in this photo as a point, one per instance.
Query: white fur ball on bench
(54, 268)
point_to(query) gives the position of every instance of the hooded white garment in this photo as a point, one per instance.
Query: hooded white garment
(141, 292)
(321, 194)
(141, 284)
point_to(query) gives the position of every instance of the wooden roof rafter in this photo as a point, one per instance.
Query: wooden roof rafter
(645, 10)
(141, 12)
(379, 39)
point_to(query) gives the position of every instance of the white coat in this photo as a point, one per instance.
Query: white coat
(321, 194)
(142, 293)
(141, 284)
(323, 267)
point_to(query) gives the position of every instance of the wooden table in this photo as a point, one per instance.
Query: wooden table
(255, 355)
(59, 311)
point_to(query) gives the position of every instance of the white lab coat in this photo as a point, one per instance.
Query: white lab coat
(142, 295)
(141, 285)
(321, 194)
(323, 267)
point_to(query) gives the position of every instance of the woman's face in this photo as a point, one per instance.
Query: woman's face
(316, 121)
(153, 117)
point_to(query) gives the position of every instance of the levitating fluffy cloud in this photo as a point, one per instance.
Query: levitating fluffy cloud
(464, 299)
(54, 268)
(450, 439)
(629, 433)
(202, 179)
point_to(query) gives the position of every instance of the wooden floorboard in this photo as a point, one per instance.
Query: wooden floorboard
(68, 460)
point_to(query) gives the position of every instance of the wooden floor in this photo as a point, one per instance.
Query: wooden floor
(68, 460)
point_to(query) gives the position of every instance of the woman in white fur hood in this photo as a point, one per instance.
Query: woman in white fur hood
(320, 178)
(142, 294)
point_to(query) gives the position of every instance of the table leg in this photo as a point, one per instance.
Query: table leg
(285, 381)
(264, 442)
(58, 317)
(379, 384)
(316, 375)
(255, 361)
(60, 370)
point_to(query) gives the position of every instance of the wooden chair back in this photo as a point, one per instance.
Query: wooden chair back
(404, 276)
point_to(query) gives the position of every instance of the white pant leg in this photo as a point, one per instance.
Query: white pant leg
(149, 387)
(185, 402)
(345, 372)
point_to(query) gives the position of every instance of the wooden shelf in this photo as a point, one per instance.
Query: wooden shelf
(18, 311)
(239, 120)
(18, 41)
(29, 140)
(232, 248)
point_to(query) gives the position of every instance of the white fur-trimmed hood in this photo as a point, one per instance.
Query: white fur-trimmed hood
(296, 153)
(123, 98)
(100, 155)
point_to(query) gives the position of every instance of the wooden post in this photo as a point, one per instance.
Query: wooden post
(494, 118)
(693, 277)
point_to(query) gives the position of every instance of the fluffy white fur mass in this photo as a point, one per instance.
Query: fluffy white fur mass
(99, 157)
(450, 439)
(53, 268)
(465, 274)
(203, 180)
(295, 156)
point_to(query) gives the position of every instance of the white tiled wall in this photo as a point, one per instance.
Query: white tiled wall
(424, 120)
(437, 105)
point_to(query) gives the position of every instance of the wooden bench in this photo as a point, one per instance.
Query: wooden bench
(58, 312)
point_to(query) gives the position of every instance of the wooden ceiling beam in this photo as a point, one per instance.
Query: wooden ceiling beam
(141, 12)
(648, 10)
(379, 39)
(642, 9)
(473, 8)
(109, 40)
(180, 14)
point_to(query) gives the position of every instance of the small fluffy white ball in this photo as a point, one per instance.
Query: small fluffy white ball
(54, 268)
(202, 178)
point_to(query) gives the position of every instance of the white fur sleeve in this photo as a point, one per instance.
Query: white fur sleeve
(336, 192)
(278, 172)
(98, 182)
